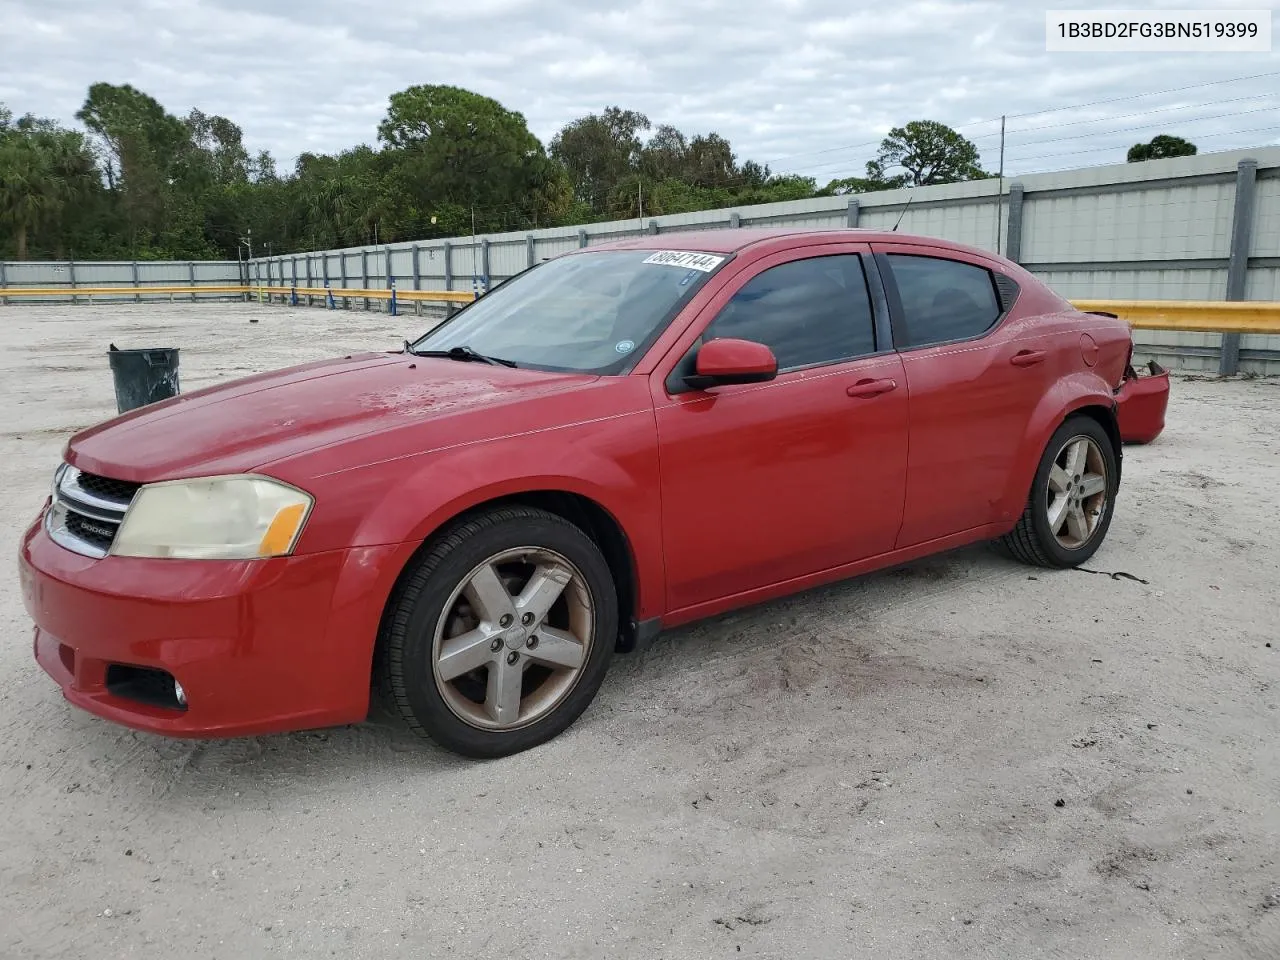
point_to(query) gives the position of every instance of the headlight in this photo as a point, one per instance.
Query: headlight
(215, 518)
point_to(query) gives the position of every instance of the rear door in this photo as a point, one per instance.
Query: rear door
(973, 382)
(764, 483)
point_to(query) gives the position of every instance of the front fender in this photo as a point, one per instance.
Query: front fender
(609, 462)
(1071, 393)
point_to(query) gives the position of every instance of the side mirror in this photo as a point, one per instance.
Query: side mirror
(728, 361)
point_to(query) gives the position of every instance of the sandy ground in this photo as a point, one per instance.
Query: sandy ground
(963, 758)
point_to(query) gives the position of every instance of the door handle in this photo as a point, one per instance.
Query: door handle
(871, 388)
(1027, 358)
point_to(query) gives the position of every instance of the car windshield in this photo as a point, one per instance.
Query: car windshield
(588, 312)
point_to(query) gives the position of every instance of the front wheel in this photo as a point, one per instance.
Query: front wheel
(1072, 498)
(501, 634)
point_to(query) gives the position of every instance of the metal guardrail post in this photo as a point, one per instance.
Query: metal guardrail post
(447, 248)
(417, 271)
(1238, 263)
(735, 221)
(851, 214)
(1013, 235)
(530, 250)
(394, 312)
(71, 271)
(342, 270)
(653, 227)
(364, 274)
(137, 297)
(191, 276)
(582, 238)
(4, 282)
(484, 264)
(309, 278)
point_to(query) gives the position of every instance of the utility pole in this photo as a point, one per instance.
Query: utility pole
(1000, 190)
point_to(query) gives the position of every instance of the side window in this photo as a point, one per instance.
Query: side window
(807, 311)
(943, 300)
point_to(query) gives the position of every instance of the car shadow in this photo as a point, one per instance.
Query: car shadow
(282, 766)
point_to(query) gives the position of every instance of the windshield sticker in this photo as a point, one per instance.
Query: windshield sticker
(689, 261)
(624, 346)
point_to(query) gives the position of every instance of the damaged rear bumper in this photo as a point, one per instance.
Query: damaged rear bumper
(1141, 403)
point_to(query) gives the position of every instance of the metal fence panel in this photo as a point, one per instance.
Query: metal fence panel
(1266, 224)
(507, 258)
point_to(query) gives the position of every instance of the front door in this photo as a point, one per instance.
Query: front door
(764, 483)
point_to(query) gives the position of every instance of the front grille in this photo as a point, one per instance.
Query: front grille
(87, 511)
(98, 533)
(121, 491)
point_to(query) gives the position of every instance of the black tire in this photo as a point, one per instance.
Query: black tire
(1031, 541)
(405, 673)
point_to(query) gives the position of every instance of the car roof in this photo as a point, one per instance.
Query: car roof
(736, 239)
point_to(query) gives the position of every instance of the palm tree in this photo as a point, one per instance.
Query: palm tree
(37, 168)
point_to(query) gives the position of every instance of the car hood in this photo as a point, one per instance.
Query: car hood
(245, 424)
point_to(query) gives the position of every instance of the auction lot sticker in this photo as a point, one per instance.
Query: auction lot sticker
(689, 261)
(1159, 31)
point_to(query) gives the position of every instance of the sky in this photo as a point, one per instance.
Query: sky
(808, 86)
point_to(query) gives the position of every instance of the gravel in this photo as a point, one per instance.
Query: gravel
(961, 758)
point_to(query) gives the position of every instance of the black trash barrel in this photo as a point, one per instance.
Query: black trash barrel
(143, 376)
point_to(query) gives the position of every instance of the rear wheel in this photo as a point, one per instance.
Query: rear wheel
(501, 634)
(1072, 498)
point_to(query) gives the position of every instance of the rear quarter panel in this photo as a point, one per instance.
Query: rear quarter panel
(1077, 384)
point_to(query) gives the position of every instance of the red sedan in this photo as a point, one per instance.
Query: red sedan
(625, 438)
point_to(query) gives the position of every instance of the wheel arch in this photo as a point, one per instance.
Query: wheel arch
(1091, 401)
(584, 512)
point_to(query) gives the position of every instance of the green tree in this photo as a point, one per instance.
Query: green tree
(599, 151)
(449, 147)
(143, 149)
(1160, 147)
(924, 152)
(711, 161)
(665, 155)
(43, 169)
(846, 186)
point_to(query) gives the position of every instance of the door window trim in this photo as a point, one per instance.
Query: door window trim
(899, 321)
(881, 330)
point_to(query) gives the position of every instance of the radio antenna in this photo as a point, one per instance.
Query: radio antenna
(903, 213)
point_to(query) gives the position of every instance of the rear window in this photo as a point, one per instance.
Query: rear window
(942, 300)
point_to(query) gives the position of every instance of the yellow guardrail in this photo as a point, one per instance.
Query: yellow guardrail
(1207, 316)
(433, 296)
(117, 291)
(261, 291)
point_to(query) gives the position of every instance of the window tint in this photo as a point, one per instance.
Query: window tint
(942, 299)
(807, 311)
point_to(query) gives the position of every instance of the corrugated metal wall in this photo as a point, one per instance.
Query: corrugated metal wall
(71, 274)
(1160, 230)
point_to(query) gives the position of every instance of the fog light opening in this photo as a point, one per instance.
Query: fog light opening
(179, 693)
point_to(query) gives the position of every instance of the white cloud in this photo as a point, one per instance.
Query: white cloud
(808, 85)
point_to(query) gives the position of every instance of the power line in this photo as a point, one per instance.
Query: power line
(1038, 113)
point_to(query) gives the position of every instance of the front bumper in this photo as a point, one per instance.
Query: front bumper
(258, 646)
(1141, 403)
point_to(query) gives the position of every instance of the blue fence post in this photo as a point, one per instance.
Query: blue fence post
(394, 312)
(328, 294)
(293, 296)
